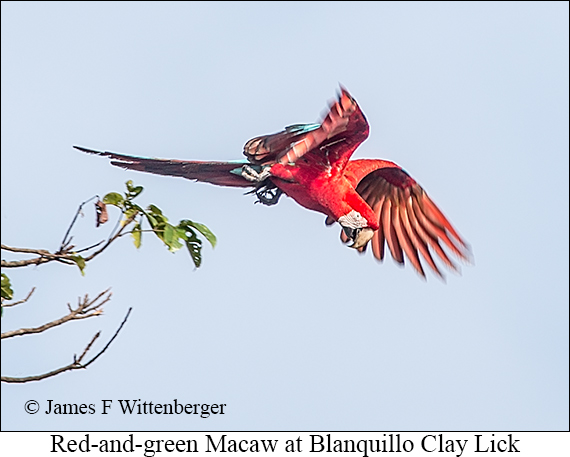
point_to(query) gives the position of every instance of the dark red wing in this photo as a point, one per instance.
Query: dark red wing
(265, 149)
(343, 120)
(409, 221)
(219, 173)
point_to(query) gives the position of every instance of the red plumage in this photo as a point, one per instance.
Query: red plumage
(373, 200)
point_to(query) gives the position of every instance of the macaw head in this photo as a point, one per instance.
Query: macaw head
(356, 229)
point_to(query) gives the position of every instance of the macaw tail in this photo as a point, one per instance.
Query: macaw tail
(219, 173)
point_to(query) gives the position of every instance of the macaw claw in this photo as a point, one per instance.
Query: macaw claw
(268, 194)
(251, 174)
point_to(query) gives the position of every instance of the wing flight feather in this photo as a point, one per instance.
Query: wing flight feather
(344, 120)
(219, 173)
(410, 222)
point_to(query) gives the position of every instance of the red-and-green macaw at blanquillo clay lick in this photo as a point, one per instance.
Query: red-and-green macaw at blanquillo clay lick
(375, 201)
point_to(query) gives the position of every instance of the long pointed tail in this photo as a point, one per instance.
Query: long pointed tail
(219, 173)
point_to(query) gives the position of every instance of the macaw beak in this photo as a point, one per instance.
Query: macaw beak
(359, 236)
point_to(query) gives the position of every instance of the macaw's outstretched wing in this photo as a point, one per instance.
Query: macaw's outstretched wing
(409, 221)
(344, 121)
(219, 173)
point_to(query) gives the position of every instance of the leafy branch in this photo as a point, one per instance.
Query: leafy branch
(173, 236)
(132, 221)
(133, 216)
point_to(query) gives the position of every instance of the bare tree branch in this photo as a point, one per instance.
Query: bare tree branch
(7, 305)
(65, 242)
(64, 255)
(65, 251)
(111, 239)
(26, 250)
(85, 309)
(44, 257)
(72, 366)
(69, 255)
(109, 343)
(76, 364)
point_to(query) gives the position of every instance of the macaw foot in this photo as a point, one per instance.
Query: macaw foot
(251, 174)
(268, 194)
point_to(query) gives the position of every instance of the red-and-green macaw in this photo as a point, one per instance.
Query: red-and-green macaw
(373, 200)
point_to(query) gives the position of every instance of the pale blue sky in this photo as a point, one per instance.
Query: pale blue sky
(282, 323)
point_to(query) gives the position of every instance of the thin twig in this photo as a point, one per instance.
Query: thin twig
(86, 350)
(111, 235)
(76, 364)
(72, 366)
(63, 257)
(110, 240)
(87, 308)
(110, 341)
(65, 252)
(7, 305)
(90, 247)
(65, 241)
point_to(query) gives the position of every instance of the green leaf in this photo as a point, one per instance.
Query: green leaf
(7, 292)
(154, 210)
(195, 250)
(174, 237)
(159, 231)
(194, 245)
(171, 238)
(131, 212)
(201, 228)
(132, 191)
(151, 220)
(137, 235)
(130, 205)
(155, 216)
(80, 261)
(114, 198)
(182, 233)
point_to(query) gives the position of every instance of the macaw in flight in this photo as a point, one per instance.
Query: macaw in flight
(375, 201)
